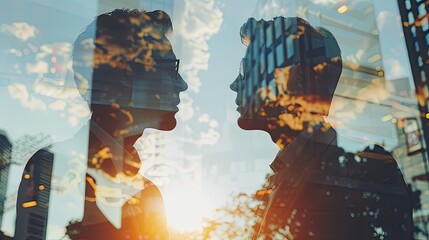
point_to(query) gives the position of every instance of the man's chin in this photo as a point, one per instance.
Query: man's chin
(168, 122)
(251, 124)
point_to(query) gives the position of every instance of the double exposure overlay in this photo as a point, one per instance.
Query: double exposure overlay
(317, 191)
(216, 119)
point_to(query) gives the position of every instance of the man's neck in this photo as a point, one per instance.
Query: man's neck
(283, 137)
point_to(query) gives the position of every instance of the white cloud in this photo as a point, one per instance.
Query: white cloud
(20, 93)
(16, 52)
(204, 118)
(57, 105)
(59, 49)
(326, 2)
(394, 69)
(54, 91)
(20, 30)
(188, 129)
(383, 17)
(209, 137)
(40, 67)
(213, 124)
(344, 110)
(47, 59)
(186, 110)
(199, 22)
(79, 110)
(359, 54)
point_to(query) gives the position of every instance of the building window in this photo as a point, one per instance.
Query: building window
(255, 48)
(278, 27)
(425, 24)
(290, 47)
(256, 75)
(410, 18)
(416, 45)
(269, 32)
(280, 55)
(422, 10)
(270, 59)
(262, 63)
(408, 5)
(420, 61)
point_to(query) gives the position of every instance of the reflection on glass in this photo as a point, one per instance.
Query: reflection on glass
(135, 85)
(318, 190)
(206, 158)
(126, 70)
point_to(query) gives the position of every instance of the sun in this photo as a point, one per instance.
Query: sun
(186, 206)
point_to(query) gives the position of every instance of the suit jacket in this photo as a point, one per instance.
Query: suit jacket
(319, 191)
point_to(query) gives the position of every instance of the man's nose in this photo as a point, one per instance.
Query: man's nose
(182, 84)
(234, 85)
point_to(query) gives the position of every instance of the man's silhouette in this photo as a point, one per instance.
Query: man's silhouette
(318, 191)
(125, 67)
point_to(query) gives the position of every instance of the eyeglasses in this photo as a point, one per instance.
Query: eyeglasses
(170, 65)
(160, 64)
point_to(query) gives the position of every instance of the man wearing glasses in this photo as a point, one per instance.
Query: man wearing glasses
(125, 68)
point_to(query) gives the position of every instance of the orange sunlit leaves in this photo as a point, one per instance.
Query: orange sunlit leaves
(263, 192)
(421, 94)
(294, 110)
(148, 61)
(319, 68)
(134, 201)
(145, 38)
(100, 156)
(281, 76)
(133, 164)
(418, 22)
(90, 199)
(93, 189)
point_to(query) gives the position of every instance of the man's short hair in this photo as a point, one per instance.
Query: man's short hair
(326, 57)
(115, 37)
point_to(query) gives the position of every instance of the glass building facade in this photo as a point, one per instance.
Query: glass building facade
(415, 26)
(119, 167)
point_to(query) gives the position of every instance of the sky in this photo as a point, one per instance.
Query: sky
(206, 149)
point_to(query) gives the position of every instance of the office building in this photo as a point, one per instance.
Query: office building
(416, 32)
(353, 23)
(33, 197)
(415, 25)
(5, 161)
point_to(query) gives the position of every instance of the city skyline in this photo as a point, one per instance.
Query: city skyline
(216, 134)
